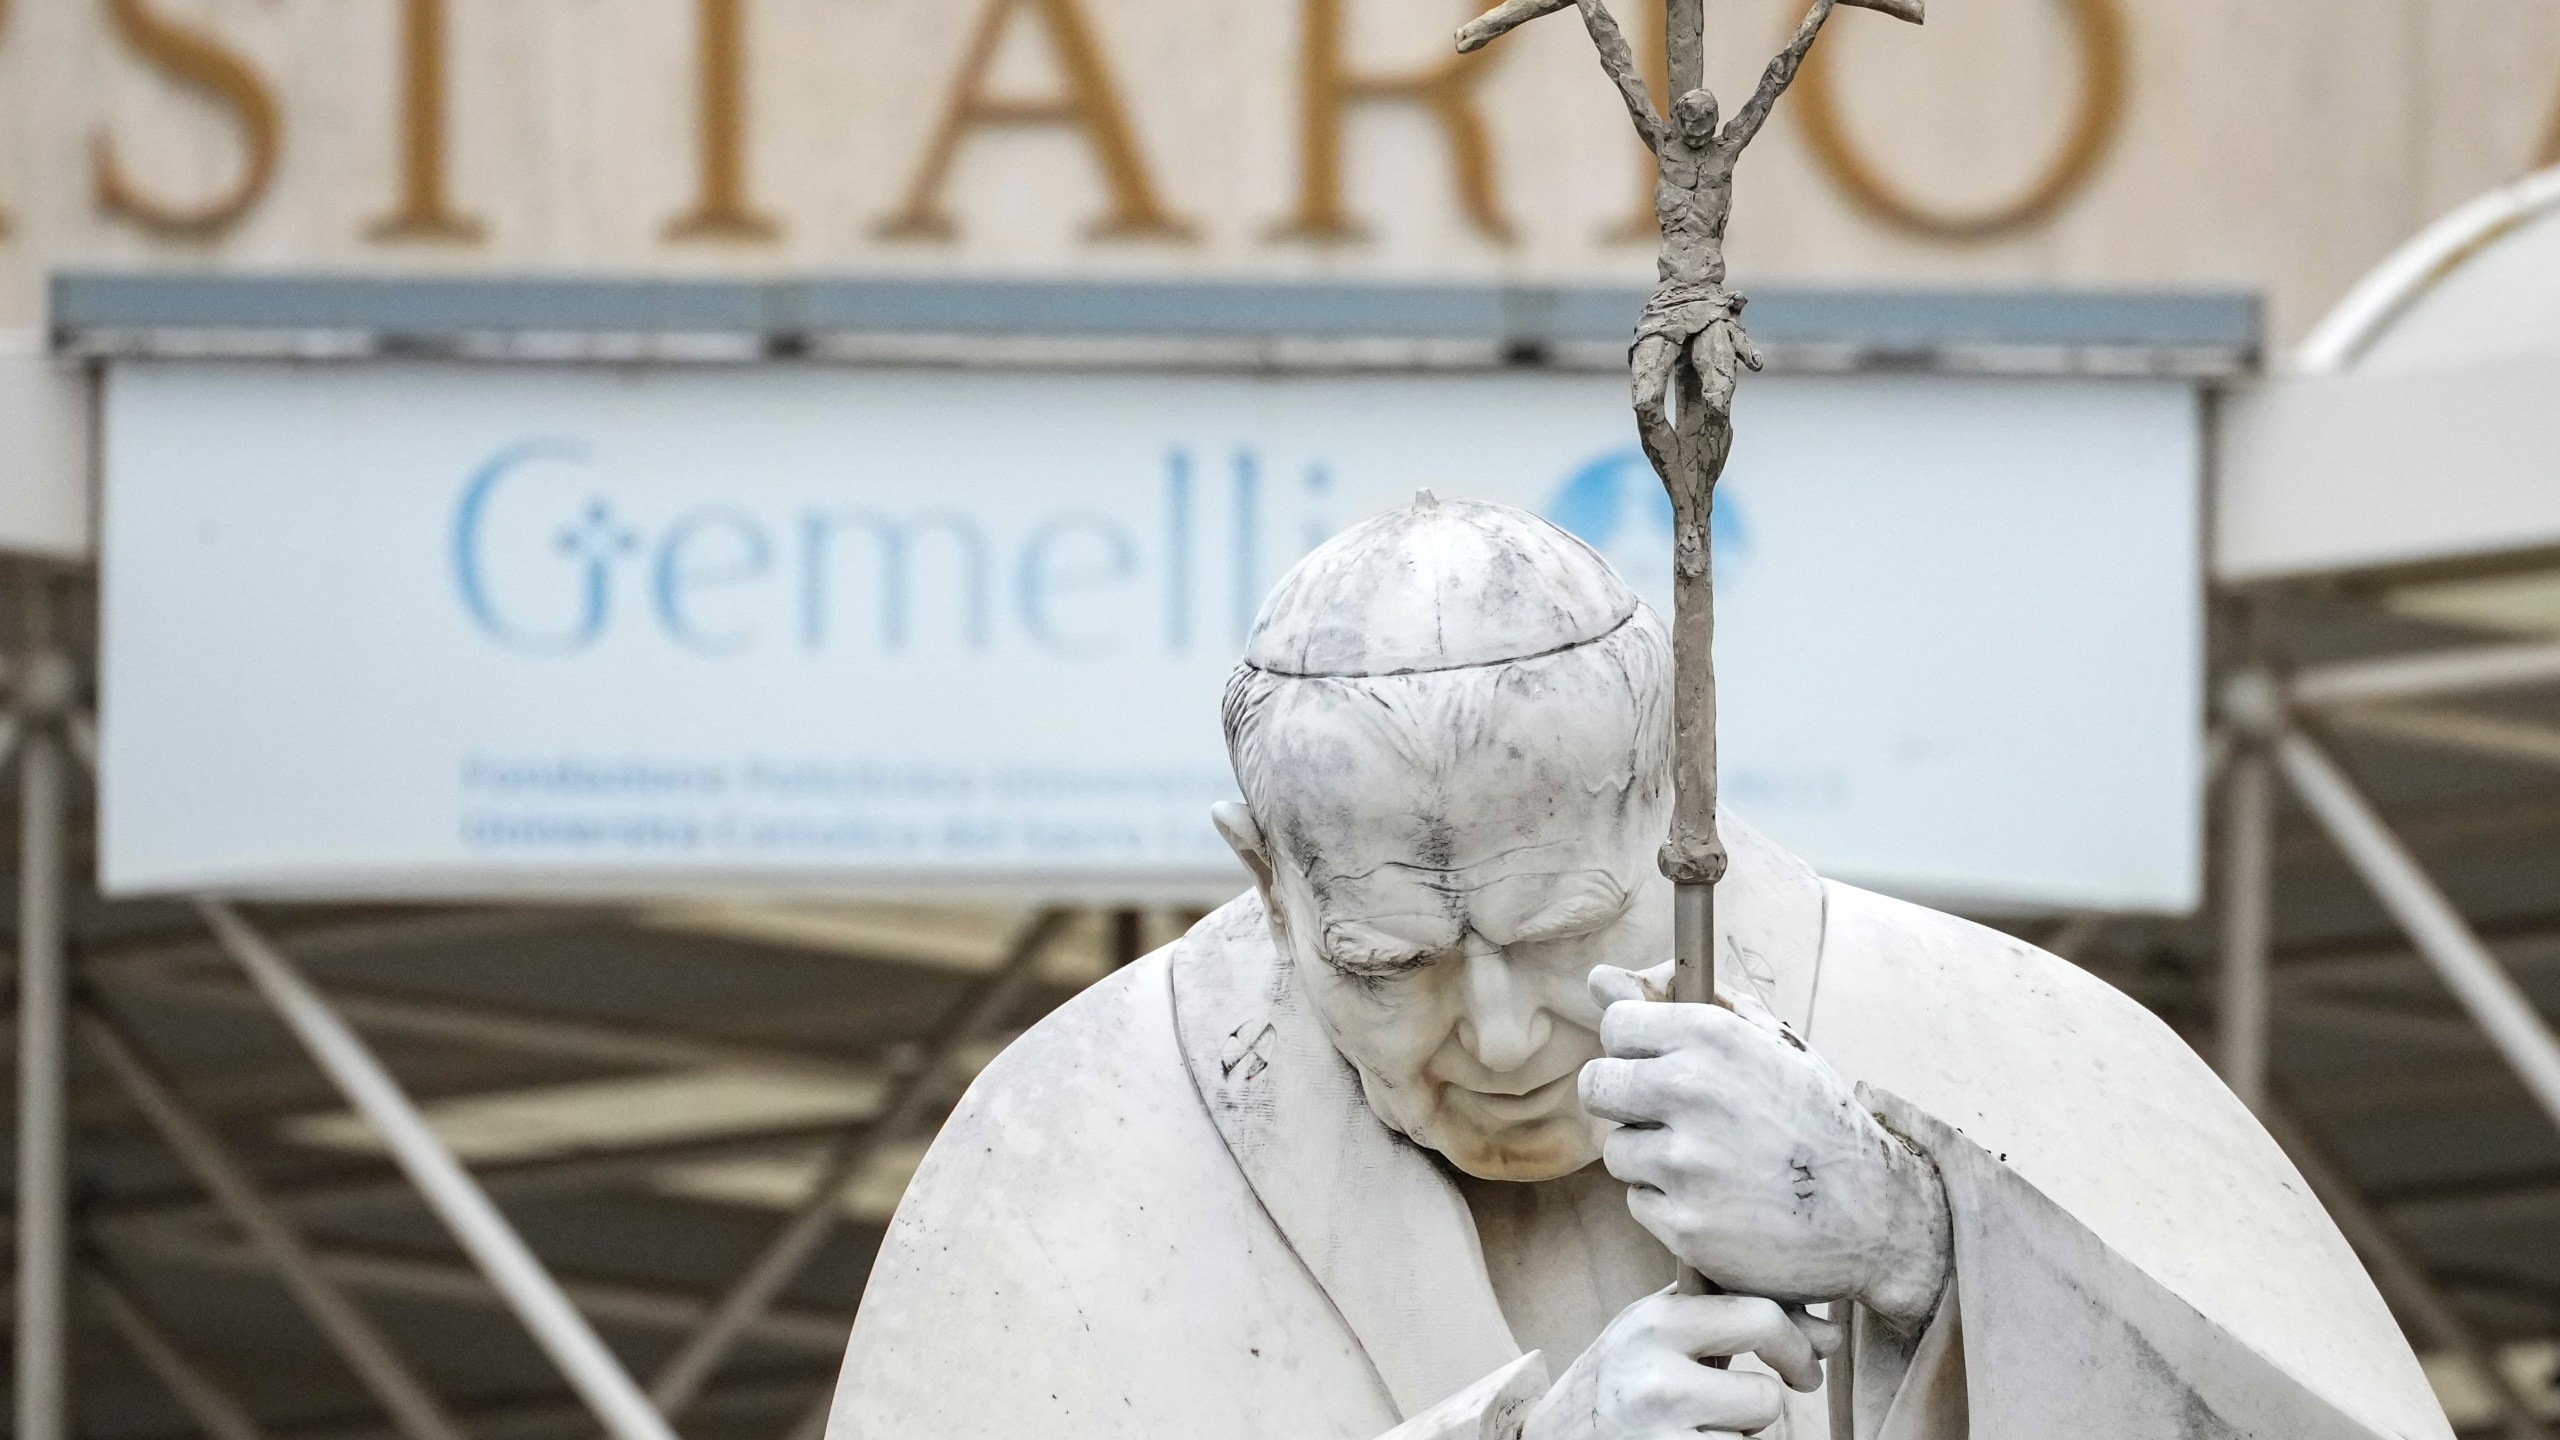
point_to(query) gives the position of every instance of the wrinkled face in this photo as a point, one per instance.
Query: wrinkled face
(1443, 917)
(1695, 112)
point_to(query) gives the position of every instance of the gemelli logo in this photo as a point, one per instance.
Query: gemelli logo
(1618, 507)
(552, 554)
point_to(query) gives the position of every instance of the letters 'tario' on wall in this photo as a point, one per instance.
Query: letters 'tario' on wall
(1085, 102)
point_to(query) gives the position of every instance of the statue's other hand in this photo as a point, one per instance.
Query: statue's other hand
(1748, 1158)
(1641, 1379)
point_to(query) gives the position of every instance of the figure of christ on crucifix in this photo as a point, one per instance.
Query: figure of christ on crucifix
(1691, 333)
(1689, 352)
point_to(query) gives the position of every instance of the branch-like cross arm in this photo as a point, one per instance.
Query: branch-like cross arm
(1782, 70)
(1502, 19)
(1774, 81)
(1620, 62)
(1615, 56)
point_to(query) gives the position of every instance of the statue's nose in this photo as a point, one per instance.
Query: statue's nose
(1503, 1024)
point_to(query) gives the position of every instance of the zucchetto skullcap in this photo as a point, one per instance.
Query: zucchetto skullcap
(1437, 585)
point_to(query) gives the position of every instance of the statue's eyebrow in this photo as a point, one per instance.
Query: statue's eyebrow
(1356, 945)
(1437, 874)
(1578, 914)
(1378, 957)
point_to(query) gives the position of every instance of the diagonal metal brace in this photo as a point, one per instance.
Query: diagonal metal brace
(2397, 1271)
(212, 1407)
(483, 1231)
(2466, 966)
(682, 1377)
(347, 1328)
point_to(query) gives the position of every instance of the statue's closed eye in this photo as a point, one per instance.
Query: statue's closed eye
(1372, 963)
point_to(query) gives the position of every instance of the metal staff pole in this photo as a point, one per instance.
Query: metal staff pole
(1690, 351)
(43, 683)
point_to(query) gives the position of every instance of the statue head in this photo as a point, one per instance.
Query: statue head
(1696, 116)
(1451, 731)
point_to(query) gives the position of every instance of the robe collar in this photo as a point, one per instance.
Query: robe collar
(1373, 1216)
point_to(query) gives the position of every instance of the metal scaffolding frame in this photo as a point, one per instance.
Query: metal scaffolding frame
(2280, 724)
(45, 723)
(2272, 731)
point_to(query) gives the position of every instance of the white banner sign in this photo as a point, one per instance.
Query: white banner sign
(416, 629)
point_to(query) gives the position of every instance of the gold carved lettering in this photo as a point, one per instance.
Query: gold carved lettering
(720, 207)
(2103, 65)
(425, 211)
(193, 59)
(1088, 103)
(1328, 88)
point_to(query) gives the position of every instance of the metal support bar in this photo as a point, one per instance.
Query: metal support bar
(349, 1331)
(2440, 672)
(2439, 931)
(80, 728)
(685, 1372)
(44, 1227)
(2531, 950)
(484, 1233)
(2381, 1019)
(1128, 936)
(2076, 936)
(454, 1282)
(2248, 838)
(207, 1403)
(498, 1028)
(368, 936)
(2495, 736)
(568, 1171)
(2397, 1271)
(731, 1408)
(2219, 746)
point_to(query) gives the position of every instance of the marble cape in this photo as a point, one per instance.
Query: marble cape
(1166, 1211)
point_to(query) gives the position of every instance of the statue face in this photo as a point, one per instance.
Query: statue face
(1696, 114)
(1443, 916)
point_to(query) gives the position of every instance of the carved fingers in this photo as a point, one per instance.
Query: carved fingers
(1649, 1029)
(1643, 1380)
(1701, 1326)
(1609, 984)
(1678, 1395)
(1747, 1157)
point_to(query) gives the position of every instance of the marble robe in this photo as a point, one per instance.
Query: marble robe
(1166, 1213)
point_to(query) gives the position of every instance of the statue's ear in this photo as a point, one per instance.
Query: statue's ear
(1244, 836)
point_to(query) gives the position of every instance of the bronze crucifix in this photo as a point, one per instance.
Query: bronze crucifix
(1690, 349)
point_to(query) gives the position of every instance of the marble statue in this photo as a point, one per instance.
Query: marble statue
(1405, 1144)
